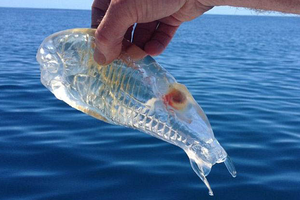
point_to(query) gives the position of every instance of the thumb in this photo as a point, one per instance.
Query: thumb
(110, 33)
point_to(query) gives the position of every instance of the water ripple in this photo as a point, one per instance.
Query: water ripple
(244, 71)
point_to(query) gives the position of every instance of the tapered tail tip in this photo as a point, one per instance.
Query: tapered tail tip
(230, 167)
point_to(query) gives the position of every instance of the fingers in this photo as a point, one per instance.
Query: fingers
(160, 39)
(143, 33)
(121, 14)
(99, 8)
(97, 16)
(110, 33)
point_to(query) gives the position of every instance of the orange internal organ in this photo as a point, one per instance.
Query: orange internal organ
(176, 99)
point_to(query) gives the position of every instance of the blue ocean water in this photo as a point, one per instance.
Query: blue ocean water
(243, 71)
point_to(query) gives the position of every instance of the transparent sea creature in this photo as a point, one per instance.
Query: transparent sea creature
(136, 93)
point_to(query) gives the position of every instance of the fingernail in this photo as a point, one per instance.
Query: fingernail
(99, 57)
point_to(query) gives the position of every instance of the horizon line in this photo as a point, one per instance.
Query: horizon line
(269, 14)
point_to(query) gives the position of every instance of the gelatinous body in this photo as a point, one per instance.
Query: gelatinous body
(137, 94)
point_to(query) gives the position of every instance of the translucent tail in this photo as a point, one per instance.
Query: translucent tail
(230, 167)
(199, 171)
(202, 163)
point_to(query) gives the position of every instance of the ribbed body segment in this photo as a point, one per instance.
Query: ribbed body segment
(123, 96)
(137, 94)
(121, 93)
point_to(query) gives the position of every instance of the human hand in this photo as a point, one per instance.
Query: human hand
(157, 21)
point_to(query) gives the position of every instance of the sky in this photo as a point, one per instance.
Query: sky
(86, 5)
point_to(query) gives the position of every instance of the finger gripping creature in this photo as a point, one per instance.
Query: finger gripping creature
(135, 93)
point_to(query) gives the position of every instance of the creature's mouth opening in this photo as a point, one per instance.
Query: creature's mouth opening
(202, 164)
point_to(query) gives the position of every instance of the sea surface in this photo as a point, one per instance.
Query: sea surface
(244, 71)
